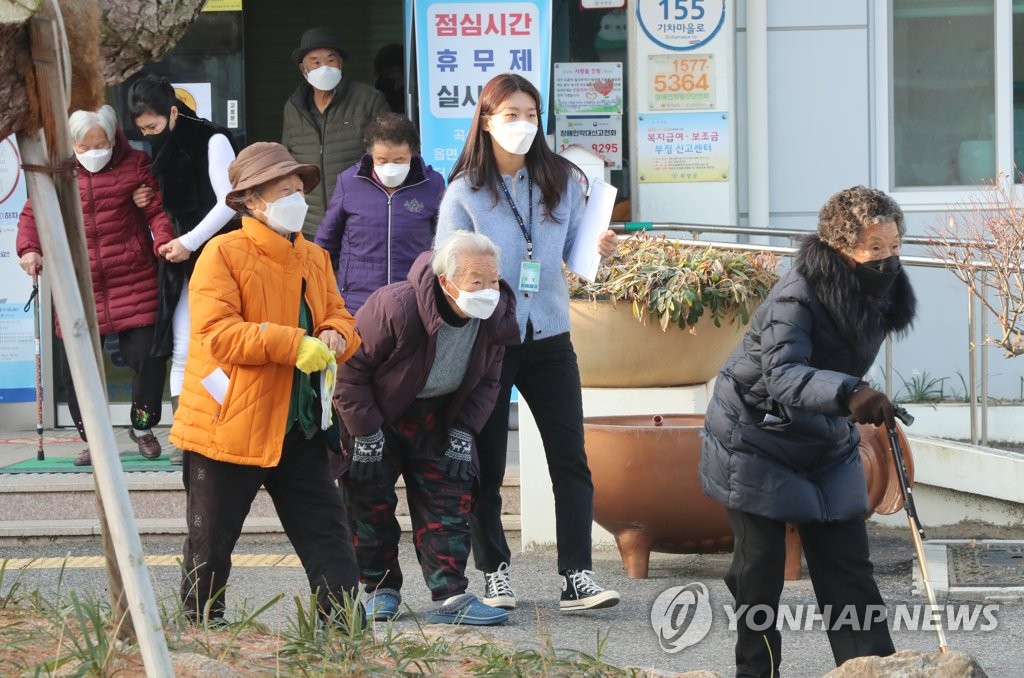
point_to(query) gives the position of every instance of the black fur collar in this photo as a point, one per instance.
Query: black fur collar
(858, 315)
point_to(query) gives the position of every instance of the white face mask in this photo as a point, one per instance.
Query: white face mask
(96, 159)
(325, 78)
(515, 137)
(287, 214)
(479, 304)
(392, 174)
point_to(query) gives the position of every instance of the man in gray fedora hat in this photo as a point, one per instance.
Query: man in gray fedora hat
(325, 116)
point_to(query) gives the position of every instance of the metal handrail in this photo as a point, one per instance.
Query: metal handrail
(922, 262)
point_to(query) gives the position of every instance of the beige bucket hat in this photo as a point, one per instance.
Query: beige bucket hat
(265, 161)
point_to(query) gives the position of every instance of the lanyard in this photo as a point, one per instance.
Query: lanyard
(519, 218)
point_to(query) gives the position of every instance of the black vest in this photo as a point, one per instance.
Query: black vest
(182, 167)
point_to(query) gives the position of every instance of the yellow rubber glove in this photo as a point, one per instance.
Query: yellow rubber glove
(313, 355)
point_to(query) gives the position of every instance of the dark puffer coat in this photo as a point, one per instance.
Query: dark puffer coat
(334, 143)
(374, 237)
(399, 325)
(122, 252)
(777, 440)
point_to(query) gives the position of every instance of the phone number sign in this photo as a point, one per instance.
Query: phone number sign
(680, 25)
(601, 134)
(681, 82)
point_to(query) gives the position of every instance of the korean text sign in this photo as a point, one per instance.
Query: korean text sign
(17, 333)
(462, 45)
(683, 147)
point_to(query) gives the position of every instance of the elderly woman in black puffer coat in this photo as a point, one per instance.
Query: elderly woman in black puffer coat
(779, 441)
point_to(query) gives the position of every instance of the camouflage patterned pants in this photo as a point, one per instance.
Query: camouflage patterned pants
(439, 507)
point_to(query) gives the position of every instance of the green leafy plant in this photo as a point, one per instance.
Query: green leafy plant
(676, 284)
(921, 388)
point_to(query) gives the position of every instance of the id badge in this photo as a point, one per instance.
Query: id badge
(529, 276)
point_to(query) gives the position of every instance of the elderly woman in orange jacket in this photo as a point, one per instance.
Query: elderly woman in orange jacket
(266, 319)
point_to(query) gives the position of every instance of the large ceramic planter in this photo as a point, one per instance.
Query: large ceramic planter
(615, 350)
(647, 489)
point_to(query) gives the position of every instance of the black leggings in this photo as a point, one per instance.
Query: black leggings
(147, 384)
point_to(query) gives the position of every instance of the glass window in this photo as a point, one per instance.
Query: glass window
(943, 92)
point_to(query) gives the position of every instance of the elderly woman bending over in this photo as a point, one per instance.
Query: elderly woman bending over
(265, 314)
(414, 396)
(778, 443)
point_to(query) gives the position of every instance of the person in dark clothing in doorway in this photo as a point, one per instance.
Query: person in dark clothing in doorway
(779, 441)
(324, 118)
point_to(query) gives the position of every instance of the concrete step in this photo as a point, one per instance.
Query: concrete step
(65, 504)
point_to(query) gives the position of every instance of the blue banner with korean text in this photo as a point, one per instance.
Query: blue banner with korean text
(460, 45)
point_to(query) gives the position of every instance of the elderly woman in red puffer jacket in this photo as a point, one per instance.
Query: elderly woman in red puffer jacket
(124, 226)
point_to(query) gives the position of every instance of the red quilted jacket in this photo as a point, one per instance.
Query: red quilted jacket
(122, 252)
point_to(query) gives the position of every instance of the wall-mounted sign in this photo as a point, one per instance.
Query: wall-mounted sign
(680, 24)
(460, 46)
(682, 147)
(17, 330)
(223, 6)
(585, 88)
(601, 134)
(680, 81)
(197, 96)
(602, 4)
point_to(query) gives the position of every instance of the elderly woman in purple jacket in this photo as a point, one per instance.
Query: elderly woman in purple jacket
(411, 401)
(383, 212)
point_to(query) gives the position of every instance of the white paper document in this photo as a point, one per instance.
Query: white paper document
(584, 258)
(328, 378)
(216, 384)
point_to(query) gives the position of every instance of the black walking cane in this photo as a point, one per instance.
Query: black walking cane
(33, 303)
(916, 531)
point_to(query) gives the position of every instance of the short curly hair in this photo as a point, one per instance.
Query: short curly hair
(846, 213)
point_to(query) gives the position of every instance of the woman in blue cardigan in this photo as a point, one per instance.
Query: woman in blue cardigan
(508, 185)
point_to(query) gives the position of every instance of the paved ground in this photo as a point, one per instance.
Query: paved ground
(625, 632)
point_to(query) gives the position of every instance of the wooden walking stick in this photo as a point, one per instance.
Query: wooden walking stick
(916, 531)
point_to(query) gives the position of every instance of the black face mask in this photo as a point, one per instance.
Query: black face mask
(876, 277)
(159, 140)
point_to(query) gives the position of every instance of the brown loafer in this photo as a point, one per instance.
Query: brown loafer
(149, 446)
(83, 458)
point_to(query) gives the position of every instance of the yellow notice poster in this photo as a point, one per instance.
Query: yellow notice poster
(223, 6)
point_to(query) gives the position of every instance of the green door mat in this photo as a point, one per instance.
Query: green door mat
(130, 461)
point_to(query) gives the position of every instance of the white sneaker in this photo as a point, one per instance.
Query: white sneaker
(498, 589)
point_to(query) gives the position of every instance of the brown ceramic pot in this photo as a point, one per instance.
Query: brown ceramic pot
(615, 350)
(647, 489)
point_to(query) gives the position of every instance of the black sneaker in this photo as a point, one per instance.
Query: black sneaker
(498, 589)
(580, 592)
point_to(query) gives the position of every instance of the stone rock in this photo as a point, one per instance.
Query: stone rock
(909, 664)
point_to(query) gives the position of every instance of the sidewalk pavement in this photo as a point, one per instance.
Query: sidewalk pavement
(624, 634)
(21, 444)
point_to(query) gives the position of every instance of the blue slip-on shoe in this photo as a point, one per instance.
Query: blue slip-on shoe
(466, 609)
(382, 604)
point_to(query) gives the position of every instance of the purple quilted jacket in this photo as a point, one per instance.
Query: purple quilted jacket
(373, 238)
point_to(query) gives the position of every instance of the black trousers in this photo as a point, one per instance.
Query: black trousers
(839, 563)
(147, 384)
(218, 497)
(547, 375)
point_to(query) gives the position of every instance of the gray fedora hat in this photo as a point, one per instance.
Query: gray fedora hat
(317, 38)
